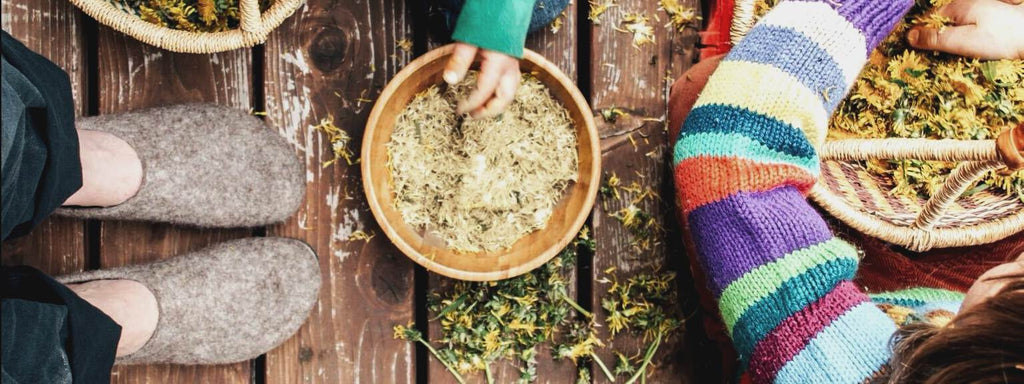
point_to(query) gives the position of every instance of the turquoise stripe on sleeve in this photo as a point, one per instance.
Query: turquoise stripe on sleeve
(849, 350)
(913, 297)
(791, 296)
(814, 66)
(765, 280)
(495, 25)
(773, 134)
(733, 144)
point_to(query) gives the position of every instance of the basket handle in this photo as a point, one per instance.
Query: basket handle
(743, 19)
(1010, 145)
(956, 183)
(976, 157)
(921, 149)
(1008, 149)
(250, 16)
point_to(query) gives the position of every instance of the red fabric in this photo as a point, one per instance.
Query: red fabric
(685, 91)
(716, 38)
(889, 268)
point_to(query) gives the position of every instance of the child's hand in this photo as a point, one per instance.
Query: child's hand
(495, 87)
(986, 29)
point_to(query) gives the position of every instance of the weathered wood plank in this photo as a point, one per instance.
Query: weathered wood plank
(134, 76)
(166, 374)
(318, 64)
(560, 48)
(52, 28)
(635, 80)
(56, 247)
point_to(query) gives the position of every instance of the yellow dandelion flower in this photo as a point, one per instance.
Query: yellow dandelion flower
(492, 341)
(207, 10)
(404, 44)
(637, 25)
(151, 16)
(680, 16)
(971, 91)
(556, 25)
(906, 67)
(933, 20)
(597, 9)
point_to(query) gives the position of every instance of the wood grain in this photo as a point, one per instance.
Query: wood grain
(637, 80)
(559, 47)
(52, 28)
(318, 64)
(134, 76)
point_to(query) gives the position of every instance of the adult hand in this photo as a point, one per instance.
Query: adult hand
(986, 29)
(495, 86)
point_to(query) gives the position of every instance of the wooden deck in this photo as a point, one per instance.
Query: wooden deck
(316, 65)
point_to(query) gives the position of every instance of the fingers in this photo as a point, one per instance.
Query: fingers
(458, 65)
(964, 40)
(486, 83)
(503, 96)
(964, 11)
(984, 29)
(495, 85)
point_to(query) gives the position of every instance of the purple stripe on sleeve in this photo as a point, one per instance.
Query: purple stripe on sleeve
(747, 230)
(874, 18)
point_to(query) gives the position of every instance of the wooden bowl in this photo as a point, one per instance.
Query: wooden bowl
(530, 251)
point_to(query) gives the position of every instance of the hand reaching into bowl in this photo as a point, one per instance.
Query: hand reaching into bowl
(496, 86)
(986, 29)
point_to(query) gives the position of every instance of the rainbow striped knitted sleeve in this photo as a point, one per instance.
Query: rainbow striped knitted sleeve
(745, 159)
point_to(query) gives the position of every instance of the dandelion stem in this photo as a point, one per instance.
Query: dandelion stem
(642, 370)
(575, 305)
(451, 369)
(604, 368)
(487, 372)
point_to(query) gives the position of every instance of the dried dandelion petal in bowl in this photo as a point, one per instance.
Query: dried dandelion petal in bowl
(481, 184)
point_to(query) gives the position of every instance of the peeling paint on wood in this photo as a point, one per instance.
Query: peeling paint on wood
(318, 63)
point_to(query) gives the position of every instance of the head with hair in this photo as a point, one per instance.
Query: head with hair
(984, 343)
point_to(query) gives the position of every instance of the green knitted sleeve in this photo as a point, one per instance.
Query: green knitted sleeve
(497, 25)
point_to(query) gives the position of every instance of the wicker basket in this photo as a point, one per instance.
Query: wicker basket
(862, 200)
(253, 27)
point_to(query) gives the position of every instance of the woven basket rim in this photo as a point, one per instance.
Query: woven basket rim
(912, 238)
(850, 180)
(249, 33)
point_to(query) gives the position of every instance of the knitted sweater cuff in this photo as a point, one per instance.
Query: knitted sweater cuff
(497, 25)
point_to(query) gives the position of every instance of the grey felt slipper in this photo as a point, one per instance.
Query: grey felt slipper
(204, 165)
(223, 304)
